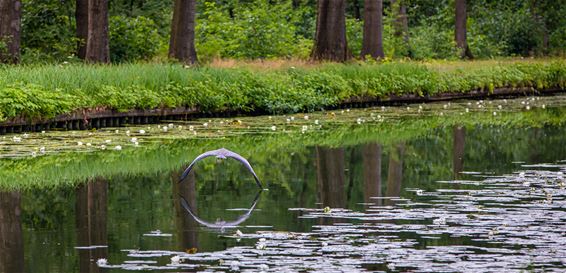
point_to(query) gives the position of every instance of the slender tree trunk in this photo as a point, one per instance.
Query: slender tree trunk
(10, 34)
(81, 18)
(373, 29)
(460, 33)
(97, 47)
(330, 41)
(401, 23)
(11, 235)
(182, 42)
(331, 179)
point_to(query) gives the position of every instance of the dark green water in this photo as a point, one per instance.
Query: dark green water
(40, 229)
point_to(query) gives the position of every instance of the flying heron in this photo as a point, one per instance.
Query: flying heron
(222, 153)
(220, 224)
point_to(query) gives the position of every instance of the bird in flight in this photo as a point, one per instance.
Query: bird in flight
(222, 153)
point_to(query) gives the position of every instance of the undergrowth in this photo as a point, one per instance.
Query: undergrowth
(47, 91)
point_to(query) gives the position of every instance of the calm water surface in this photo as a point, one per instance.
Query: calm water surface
(454, 198)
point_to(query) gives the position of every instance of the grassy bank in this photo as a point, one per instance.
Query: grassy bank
(46, 91)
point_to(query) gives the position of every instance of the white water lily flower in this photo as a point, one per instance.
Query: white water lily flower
(292, 118)
(117, 131)
(306, 117)
(165, 129)
(128, 133)
(191, 128)
(239, 233)
(42, 150)
(439, 221)
(88, 144)
(175, 260)
(171, 125)
(108, 141)
(118, 148)
(43, 132)
(33, 154)
(79, 143)
(273, 128)
(102, 262)
(17, 139)
(142, 132)
(136, 143)
(205, 124)
(316, 122)
(134, 139)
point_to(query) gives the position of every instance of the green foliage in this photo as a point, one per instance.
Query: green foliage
(354, 35)
(257, 30)
(133, 38)
(48, 31)
(46, 91)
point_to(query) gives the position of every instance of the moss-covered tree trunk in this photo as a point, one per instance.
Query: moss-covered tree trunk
(182, 42)
(373, 29)
(10, 34)
(97, 47)
(81, 19)
(330, 41)
(460, 31)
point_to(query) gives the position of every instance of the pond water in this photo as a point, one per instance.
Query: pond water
(447, 187)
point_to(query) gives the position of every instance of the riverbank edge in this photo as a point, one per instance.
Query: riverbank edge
(102, 117)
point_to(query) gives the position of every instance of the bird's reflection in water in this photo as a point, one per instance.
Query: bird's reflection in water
(221, 225)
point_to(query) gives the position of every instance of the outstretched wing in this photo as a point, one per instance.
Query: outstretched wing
(200, 157)
(246, 164)
(187, 207)
(248, 213)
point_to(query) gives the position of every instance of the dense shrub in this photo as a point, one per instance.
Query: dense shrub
(46, 91)
(133, 38)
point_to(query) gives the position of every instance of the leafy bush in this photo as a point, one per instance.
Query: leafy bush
(46, 91)
(133, 38)
(257, 30)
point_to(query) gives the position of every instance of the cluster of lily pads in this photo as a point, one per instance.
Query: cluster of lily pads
(116, 139)
(511, 222)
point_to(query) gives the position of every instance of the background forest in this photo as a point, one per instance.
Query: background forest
(266, 29)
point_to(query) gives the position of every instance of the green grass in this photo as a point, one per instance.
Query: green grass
(47, 91)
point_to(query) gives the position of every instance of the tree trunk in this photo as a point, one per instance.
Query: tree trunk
(373, 29)
(182, 42)
(401, 23)
(11, 235)
(330, 39)
(81, 18)
(97, 48)
(10, 26)
(460, 33)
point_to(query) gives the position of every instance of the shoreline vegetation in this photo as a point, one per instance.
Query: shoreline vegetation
(39, 94)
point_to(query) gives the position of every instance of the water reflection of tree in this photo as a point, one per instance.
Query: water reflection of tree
(395, 172)
(91, 219)
(331, 179)
(459, 141)
(186, 226)
(371, 157)
(11, 238)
